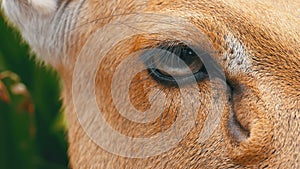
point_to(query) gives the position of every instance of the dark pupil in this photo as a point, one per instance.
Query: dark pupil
(188, 55)
(185, 53)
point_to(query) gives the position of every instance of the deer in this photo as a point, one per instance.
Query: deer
(172, 84)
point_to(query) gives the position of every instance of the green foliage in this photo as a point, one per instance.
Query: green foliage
(32, 133)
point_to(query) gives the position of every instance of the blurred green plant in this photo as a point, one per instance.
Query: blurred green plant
(32, 132)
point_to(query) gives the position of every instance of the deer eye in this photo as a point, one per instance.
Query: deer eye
(174, 64)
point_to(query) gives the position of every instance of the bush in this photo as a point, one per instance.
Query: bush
(32, 130)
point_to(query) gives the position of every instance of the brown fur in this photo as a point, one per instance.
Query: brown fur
(266, 100)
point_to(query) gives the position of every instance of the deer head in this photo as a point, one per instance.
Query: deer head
(161, 84)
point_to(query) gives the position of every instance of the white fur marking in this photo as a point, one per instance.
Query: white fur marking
(238, 59)
(44, 6)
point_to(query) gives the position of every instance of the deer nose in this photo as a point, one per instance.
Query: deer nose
(249, 129)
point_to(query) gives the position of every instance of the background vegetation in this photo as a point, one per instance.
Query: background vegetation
(32, 134)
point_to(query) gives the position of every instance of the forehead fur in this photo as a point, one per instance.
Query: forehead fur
(280, 19)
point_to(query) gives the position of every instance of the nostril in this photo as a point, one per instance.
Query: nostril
(239, 132)
(248, 130)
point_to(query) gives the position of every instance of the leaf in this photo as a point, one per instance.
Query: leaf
(4, 96)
